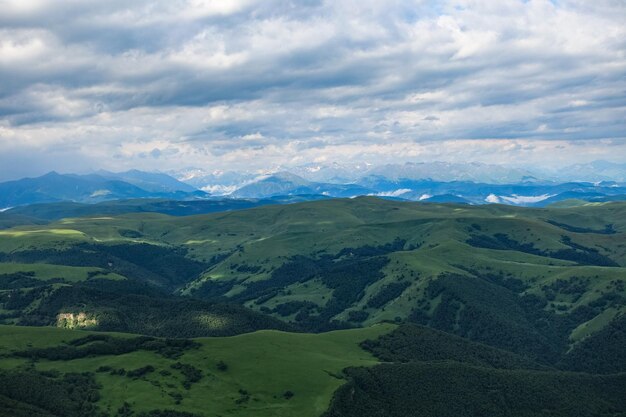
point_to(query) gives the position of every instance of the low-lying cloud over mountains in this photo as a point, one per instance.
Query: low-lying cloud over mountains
(471, 183)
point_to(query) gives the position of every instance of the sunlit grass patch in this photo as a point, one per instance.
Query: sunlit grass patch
(26, 233)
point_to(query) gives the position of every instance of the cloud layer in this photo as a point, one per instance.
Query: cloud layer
(252, 84)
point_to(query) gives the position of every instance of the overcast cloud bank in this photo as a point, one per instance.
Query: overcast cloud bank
(246, 84)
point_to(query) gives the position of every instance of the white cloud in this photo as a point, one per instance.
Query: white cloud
(201, 8)
(492, 198)
(395, 193)
(521, 199)
(226, 83)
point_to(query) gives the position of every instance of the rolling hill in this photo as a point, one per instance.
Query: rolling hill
(517, 297)
(45, 212)
(266, 373)
(337, 263)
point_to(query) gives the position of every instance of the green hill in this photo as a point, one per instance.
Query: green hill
(59, 372)
(454, 389)
(517, 298)
(544, 277)
(266, 373)
(411, 343)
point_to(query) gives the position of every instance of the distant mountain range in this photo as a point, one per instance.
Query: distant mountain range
(520, 194)
(226, 182)
(595, 171)
(93, 188)
(436, 171)
(471, 183)
(285, 183)
(336, 173)
(154, 182)
(215, 182)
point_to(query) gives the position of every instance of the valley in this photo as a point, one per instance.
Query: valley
(287, 295)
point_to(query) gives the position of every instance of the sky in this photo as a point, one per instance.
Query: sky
(255, 84)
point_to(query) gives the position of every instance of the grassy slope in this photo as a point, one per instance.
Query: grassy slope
(266, 237)
(46, 272)
(442, 389)
(266, 364)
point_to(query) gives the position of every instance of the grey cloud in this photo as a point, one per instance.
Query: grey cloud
(411, 71)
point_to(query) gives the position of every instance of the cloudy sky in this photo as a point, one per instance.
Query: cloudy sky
(252, 84)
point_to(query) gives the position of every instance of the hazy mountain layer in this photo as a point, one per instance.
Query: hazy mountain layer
(92, 188)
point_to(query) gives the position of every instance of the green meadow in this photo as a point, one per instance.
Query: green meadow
(260, 368)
